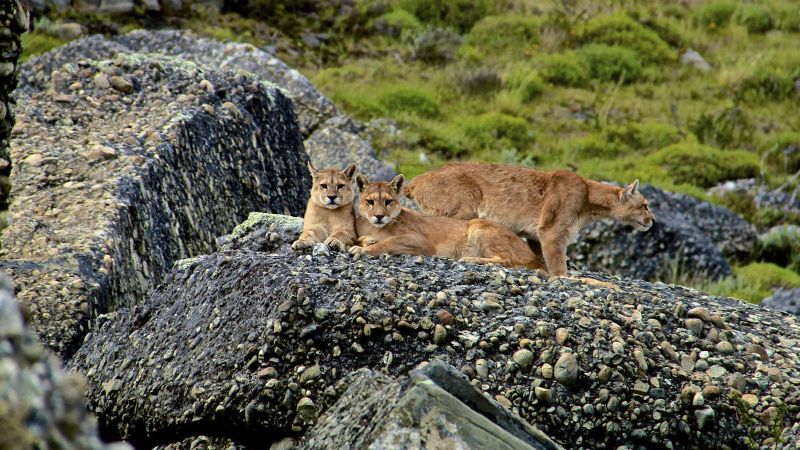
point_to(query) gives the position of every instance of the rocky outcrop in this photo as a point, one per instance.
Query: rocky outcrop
(331, 138)
(255, 339)
(784, 300)
(690, 237)
(41, 406)
(434, 407)
(13, 23)
(125, 166)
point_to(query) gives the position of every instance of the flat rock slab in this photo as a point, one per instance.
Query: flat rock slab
(254, 340)
(690, 237)
(124, 166)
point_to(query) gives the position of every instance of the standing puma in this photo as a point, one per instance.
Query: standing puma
(329, 214)
(383, 226)
(547, 208)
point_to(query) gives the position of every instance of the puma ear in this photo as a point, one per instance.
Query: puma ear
(362, 182)
(349, 171)
(312, 169)
(629, 190)
(397, 182)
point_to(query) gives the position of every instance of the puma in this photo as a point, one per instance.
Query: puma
(383, 226)
(548, 209)
(329, 216)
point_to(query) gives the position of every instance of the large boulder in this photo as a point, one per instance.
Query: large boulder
(784, 300)
(319, 120)
(41, 406)
(254, 339)
(690, 237)
(125, 166)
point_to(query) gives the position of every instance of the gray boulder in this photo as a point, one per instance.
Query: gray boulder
(125, 166)
(41, 406)
(784, 300)
(689, 237)
(255, 339)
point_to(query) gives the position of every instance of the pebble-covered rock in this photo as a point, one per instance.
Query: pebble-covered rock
(113, 184)
(225, 341)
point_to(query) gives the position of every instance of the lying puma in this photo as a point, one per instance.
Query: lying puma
(329, 214)
(383, 226)
(547, 208)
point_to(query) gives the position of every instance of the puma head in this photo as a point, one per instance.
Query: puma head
(379, 202)
(633, 209)
(332, 188)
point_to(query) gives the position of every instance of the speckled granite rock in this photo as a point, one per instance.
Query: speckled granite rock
(693, 235)
(41, 406)
(784, 300)
(332, 138)
(254, 340)
(125, 166)
(435, 407)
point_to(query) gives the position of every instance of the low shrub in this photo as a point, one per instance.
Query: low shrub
(434, 45)
(789, 18)
(408, 99)
(704, 166)
(460, 15)
(397, 22)
(620, 30)
(643, 137)
(773, 79)
(565, 70)
(715, 14)
(781, 245)
(610, 63)
(755, 281)
(506, 33)
(525, 81)
(483, 80)
(498, 130)
(729, 127)
(755, 17)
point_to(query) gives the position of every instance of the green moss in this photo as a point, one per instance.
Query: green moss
(715, 14)
(704, 166)
(495, 129)
(773, 79)
(756, 18)
(460, 15)
(408, 99)
(609, 63)
(783, 154)
(565, 69)
(622, 31)
(643, 137)
(509, 34)
(37, 42)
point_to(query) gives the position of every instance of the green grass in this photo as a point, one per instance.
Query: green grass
(38, 42)
(755, 281)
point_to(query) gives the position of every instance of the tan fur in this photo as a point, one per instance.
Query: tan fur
(329, 214)
(547, 208)
(383, 226)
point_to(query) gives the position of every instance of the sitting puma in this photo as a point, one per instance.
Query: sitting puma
(547, 208)
(329, 214)
(383, 226)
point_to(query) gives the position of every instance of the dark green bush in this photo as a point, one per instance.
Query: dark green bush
(396, 22)
(620, 30)
(483, 80)
(773, 79)
(704, 166)
(728, 128)
(565, 70)
(781, 246)
(643, 137)
(410, 100)
(532, 87)
(514, 33)
(609, 63)
(489, 128)
(784, 154)
(789, 18)
(434, 45)
(460, 15)
(757, 18)
(716, 13)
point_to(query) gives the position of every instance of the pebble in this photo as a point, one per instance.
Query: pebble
(695, 326)
(121, 84)
(700, 313)
(725, 347)
(704, 417)
(523, 358)
(562, 334)
(566, 369)
(101, 82)
(547, 371)
(439, 335)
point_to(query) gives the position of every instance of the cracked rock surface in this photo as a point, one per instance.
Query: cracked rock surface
(256, 338)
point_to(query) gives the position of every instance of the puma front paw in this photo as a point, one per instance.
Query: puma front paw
(335, 244)
(365, 241)
(302, 243)
(358, 251)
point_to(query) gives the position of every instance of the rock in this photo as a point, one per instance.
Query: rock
(669, 352)
(523, 357)
(439, 335)
(695, 326)
(750, 399)
(784, 300)
(725, 347)
(716, 371)
(40, 403)
(694, 59)
(162, 178)
(566, 369)
(121, 84)
(700, 313)
(68, 31)
(763, 196)
(705, 417)
(445, 317)
(562, 334)
(694, 235)
(218, 322)
(377, 411)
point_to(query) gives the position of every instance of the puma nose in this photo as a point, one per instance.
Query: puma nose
(379, 217)
(332, 198)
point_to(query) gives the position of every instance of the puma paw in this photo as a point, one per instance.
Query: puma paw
(335, 244)
(302, 243)
(358, 251)
(365, 241)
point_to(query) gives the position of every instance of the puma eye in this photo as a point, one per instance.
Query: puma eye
(339, 186)
(388, 202)
(370, 202)
(323, 186)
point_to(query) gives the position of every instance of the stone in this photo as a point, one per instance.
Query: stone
(691, 58)
(725, 347)
(547, 371)
(704, 417)
(750, 399)
(700, 313)
(523, 358)
(716, 371)
(121, 84)
(566, 369)
(562, 334)
(695, 326)
(542, 394)
(439, 335)
(669, 352)
(640, 387)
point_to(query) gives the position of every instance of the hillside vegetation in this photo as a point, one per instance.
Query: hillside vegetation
(561, 84)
